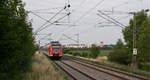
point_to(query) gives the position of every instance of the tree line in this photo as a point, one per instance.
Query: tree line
(123, 53)
(16, 40)
(92, 52)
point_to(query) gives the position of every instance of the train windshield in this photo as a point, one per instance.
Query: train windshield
(55, 48)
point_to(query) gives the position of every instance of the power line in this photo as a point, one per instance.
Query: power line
(48, 12)
(70, 38)
(120, 4)
(112, 19)
(49, 33)
(80, 5)
(83, 15)
(90, 10)
(86, 12)
(46, 36)
(50, 19)
(67, 6)
(40, 17)
(41, 34)
(43, 19)
(46, 9)
(118, 12)
(74, 11)
(53, 22)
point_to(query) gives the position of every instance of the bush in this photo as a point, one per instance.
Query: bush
(77, 54)
(70, 52)
(119, 56)
(66, 50)
(94, 51)
(144, 66)
(84, 54)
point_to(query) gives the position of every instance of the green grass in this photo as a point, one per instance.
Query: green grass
(102, 53)
(65, 78)
(105, 52)
(43, 69)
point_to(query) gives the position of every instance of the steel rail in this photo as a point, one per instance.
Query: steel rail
(79, 71)
(113, 70)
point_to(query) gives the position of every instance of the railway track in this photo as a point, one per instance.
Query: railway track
(116, 73)
(108, 70)
(74, 73)
(79, 70)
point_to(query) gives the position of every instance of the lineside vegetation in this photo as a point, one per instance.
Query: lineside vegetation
(122, 53)
(17, 41)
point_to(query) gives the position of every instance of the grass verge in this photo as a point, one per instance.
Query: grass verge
(42, 69)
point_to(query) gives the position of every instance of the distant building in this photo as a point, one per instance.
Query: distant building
(75, 45)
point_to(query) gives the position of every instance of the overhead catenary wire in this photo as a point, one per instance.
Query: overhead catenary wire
(46, 9)
(120, 4)
(116, 12)
(51, 19)
(82, 3)
(86, 14)
(46, 36)
(48, 12)
(40, 17)
(90, 10)
(107, 19)
(53, 22)
(72, 13)
(113, 20)
(66, 7)
(70, 38)
(40, 28)
(41, 34)
(110, 20)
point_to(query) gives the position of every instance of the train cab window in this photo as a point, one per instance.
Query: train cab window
(55, 48)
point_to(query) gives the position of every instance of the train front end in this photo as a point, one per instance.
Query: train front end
(55, 50)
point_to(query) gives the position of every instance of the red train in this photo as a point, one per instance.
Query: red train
(55, 50)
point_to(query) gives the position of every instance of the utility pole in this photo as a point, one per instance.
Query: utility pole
(68, 8)
(78, 40)
(39, 45)
(134, 64)
(135, 50)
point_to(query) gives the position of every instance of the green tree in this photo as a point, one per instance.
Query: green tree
(17, 45)
(143, 37)
(119, 44)
(143, 43)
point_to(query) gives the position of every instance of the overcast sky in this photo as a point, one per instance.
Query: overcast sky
(91, 27)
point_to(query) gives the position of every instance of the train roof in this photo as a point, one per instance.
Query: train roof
(54, 42)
